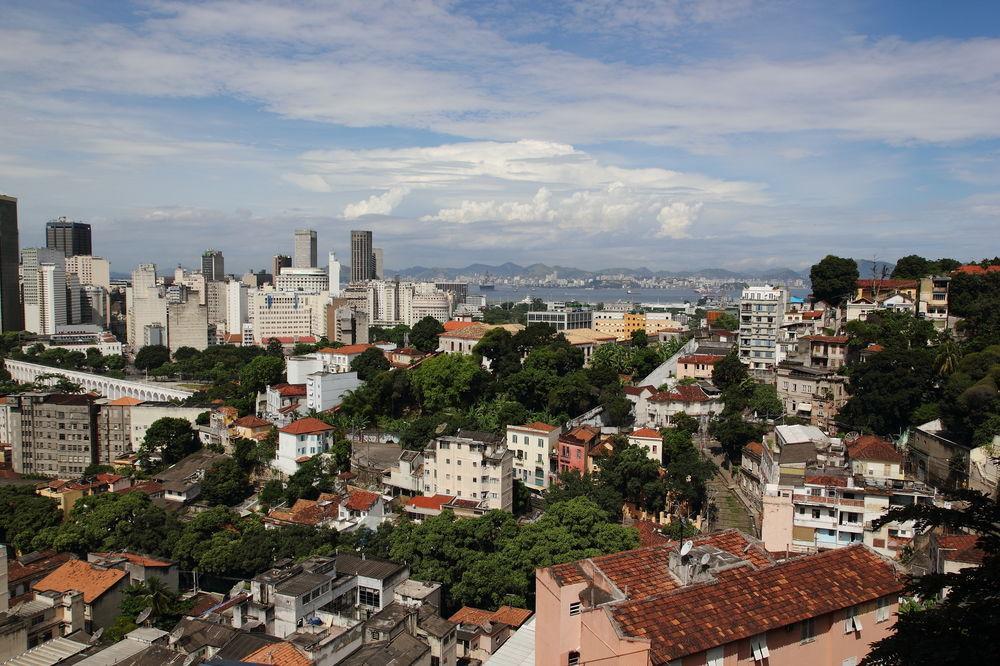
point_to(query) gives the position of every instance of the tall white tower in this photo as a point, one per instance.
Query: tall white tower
(334, 288)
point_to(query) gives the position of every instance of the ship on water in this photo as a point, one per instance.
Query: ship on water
(487, 284)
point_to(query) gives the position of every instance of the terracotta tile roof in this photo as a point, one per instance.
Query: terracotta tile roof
(227, 410)
(251, 421)
(309, 512)
(107, 477)
(681, 393)
(827, 480)
(433, 502)
(976, 269)
(745, 601)
(474, 331)
(649, 534)
(456, 325)
(351, 350)
(361, 500)
(870, 447)
(874, 347)
(888, 284)
(289, 409)
(755, 448)
(278, 654)
(701, 359)
(645, 572)
(306, 426)
(509, 615)
(647, 433)
(125, 402)
(290, 390)
(145, 487)
(141, 560)
(538, 426)
(202, 602)
(580, 435)
(812, 314)
(637, 390)
(83, 576)
(34, 564)
(961, 548)
(831, 339)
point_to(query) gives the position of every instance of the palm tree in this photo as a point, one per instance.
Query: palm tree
(949, 353)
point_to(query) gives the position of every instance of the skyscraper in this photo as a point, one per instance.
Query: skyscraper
(280, 261)
(362, 259)
(11, 314)
(44, 272)
(377, 268)
(72, 238)
(334, 275)
(213, 266)
(305, 249)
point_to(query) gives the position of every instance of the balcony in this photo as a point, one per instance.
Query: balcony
(828, 501)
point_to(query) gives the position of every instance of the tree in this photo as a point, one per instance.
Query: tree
(225, 484)
(498, 348)
(730, 371)
(396, 335)
(370, 363)
(424, 335)
(571, 484)
(262, 372)
(887, 389)
(959, 628)
(522, 498)
(631, 472)
(449, 380)
(23, 514)
(733, 434)
(172, 438)
(765, 403)
(834, 279)
(151, 356)
(639, 338)
(727, 321)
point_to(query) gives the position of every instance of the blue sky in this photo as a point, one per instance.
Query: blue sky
(676, 134)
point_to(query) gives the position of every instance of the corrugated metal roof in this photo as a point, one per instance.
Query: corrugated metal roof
(48, 653)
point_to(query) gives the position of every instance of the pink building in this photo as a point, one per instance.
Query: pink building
(574, 447)
(697, 366)
(727, 601)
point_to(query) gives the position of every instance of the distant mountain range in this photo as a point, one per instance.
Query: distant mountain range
(510, 270)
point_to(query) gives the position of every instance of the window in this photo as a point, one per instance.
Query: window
(574, 608)
(716, 656)
(851, 621)
(513, 439)
(882, 609)
(808, 629)
(574, 658)
(369, 597)
(758, 647)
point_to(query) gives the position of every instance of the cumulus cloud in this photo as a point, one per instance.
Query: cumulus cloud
(308, 181)
(377, 204)
(675, 219)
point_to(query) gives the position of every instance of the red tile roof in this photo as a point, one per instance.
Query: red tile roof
(647, 433)
(961, 548)
(361, 500)
(537, 425)
(870, 447)
(649, 534)
(306, 426)
(433, 502)
(456, 325)
(812, 314)
(746, 601)
(832, 339)
(888, 284)
(251, 421)
(40, 563)
(141, 560)
(509, 615)
(290, 390)
(976, 269)
(79, 575)
(309, 512)
(637, 390)
(701, 359)
(277, 654)
(827, 480)
(681, 393)
(351, 350)
(145, 487)
(755, 448)
(125, 402)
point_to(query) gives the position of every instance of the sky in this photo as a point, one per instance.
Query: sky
(671, 134)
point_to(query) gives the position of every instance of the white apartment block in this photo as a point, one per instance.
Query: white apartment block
(391, 302)
(325, 390)
(44, 283)
(236, 306)
(304, 280)
(762, 311)
(472, 466)
(187, 322)
(279, 314)
(90, 270)
(146, 307)
(532, 446)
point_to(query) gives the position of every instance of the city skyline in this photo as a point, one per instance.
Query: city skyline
(680, 135)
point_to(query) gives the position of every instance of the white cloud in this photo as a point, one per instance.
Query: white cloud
(675, 219)
(377, 204)
(308, 181)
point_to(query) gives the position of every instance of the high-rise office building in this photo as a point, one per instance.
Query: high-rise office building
(11, 314)
(278, 262)
(72, 238)
(333, 273)
(305, 249)
(362, 259)
(377, 267)
(44, 274)
(213, 266)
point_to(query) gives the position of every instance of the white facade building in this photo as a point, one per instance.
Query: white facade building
(301, 440)
(236, 306)
(471, 467)
(90, 270)
(145, 306)
(391, 302)
(333, 275)
(532, 446)
(304, 280)
(325, 390)
(304, 255)
(284, 314)
(44, 281)
(762, 310)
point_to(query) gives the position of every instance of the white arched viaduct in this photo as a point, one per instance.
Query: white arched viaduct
(111, 388)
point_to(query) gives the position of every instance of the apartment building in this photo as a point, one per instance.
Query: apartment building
(656, 409)
(187, 320)
(533, 446)
(102, 589)
(43, 274)
(55, 434)
(562, 320)
(391, 302)
(697, 366)
(824, 351)
(719, 599)
(932, 300)
(278, 314)
(762, 311)
(471, 466)
(301, 440)
(146, 308)
(303, 280)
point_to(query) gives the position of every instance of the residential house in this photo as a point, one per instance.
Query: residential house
(407, 476)
(649, 440)
(932, 300)
(873, 456)
(815, 394)
(937, 458)
(420, 508)
(102, 589)
(250, 427)
(140, 568)
(182, 481)
(824, 351)
(873, 289)
(301, 440)
(482, 632)
(533, 446)
(724, 600)
(699, 401)
(280, 404)
(697, 366)
(361, 508)
(324, 511)
(48, 616)
(25, 571)
(574, 448)
(471, 466)
(338, 359)
(462, 339)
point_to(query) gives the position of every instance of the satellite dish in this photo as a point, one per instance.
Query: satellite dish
(705, 559)
(97, 636)
(686, 548)
(144, 615)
